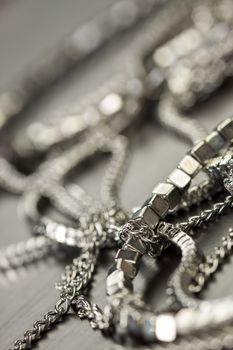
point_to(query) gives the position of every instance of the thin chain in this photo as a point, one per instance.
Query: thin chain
(170, 118)
(207, 215)
(116, 171)
(212, 263)
(206, 190)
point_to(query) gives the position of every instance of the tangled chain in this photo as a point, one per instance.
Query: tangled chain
(73, 281)
(91, 311)
(155, 243)
(78, 274)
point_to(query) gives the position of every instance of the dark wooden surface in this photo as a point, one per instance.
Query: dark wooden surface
(27, 27)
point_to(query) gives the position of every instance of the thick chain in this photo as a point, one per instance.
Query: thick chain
(26, 252)
(77, 277)
(41, 326)
(11, 179)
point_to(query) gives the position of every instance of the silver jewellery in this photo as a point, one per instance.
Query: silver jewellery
(118, 109)
(142, 80)
(109, 100)
(150, 75)
(116, 105)
(168, 70)
(84, 41)
(127, 311)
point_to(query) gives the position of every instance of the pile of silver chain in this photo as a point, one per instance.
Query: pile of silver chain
(100, 125)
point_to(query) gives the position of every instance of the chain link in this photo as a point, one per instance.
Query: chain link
(41, 326)
(207, 215)
(212, 263)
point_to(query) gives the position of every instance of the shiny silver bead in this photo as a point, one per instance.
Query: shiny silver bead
(130, 269)
(170, 192)
(216, 141)
(159, 204)
(148, 325)
(165, 328)
(148, 215)
(180, 179)
(133, 323)
(135, 244)
(128, 255)
(190, 165)
(203, 151)
(116, 281)
(226, 129)
(111, 104)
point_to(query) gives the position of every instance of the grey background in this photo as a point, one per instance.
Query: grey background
(27, 28)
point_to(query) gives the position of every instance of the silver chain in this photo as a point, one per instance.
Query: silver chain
(207, 215)
(26, 252)
(101, 227)
(212, 263)
(80, 44)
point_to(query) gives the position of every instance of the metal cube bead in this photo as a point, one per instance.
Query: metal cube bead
(148, 215)
(180, 179)
(135, 244)
(226, 129)
(216, 141)
(170, 192)
(165, 328)
(203, 151)
(128, 255)
(133, 325)
(116, 281)
(159, 204)
(130, 269)
(111, 104)
(190, 165)
(148, 326)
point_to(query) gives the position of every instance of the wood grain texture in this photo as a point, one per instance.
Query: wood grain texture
(26, 29)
